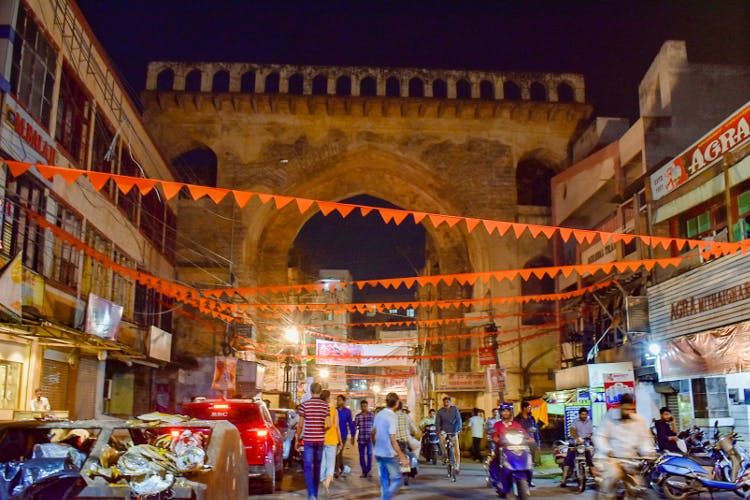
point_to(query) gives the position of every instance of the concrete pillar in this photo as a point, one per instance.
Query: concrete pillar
(283, 83)
(179, 79)
(331, 85)
(404, 88)
(380, 85)
(55, 98)
(525, 91)
(101, 370)
(499, 89)
(474, 88)
(307, 83)
(235, 78)
(580, 94)
(552, 92)
(451, 84)
(151, 75)
(428, 89)
(355, 84)
(260, 81)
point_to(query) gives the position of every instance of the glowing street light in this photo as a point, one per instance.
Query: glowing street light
(291, 333)
(324, 373)
(376, 389)
(654, 348)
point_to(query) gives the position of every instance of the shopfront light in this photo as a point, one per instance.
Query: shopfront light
(324, 373)
(654, 348)
(291, 334)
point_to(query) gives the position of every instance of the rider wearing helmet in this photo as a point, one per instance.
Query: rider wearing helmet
(506, 423)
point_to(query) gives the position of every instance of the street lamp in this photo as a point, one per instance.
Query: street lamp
(291, 333)
(324, 373)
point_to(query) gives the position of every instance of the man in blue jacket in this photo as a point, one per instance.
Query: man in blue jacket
(448, 421)
(346, 425)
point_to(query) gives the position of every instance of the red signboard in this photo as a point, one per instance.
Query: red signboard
(615, 385)
(487, 356)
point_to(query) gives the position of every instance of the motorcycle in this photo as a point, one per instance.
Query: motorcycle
(682, 476)
(511, 466)
(413, 469)
(430, 444)
(582, 448)
(631, 484)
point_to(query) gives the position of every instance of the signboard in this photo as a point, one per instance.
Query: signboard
(102, 317)
(159, 344)
(487, 356)
(225, 374)
(348, 354)
(22, 137)
(730, 134)
(615, 385)
(496, 379)
(460, 382)
(599, 252)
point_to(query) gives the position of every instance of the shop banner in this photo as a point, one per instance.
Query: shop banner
(11, 286)
(460, 382)
(345, 354)
(496, 379)
(729, 135)
(22, 137)
(225, 374)
(715, 352)
(102, 317)
(617, 384)
(487, 356)
(159, 344)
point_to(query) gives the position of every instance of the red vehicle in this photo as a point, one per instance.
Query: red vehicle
(263, 441)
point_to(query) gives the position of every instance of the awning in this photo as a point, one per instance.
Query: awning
(50, 334)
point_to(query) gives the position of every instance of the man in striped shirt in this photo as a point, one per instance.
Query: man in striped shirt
(363, 426)
(312, 427)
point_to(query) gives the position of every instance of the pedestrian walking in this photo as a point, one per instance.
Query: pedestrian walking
(476, 424)
(332, 444)
(314, 418)
(388, 453)
(406, 430)
(346, 428)
(363, 426)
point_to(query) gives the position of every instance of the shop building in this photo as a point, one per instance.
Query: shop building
(64, 105)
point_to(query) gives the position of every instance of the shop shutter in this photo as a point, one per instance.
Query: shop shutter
(673, 403)
(142, 390)
(55, 383)
(86, 388)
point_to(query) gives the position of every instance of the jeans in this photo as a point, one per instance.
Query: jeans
(340, 459)
(475, 453)
(312, 457)
(328, 462)
(391, 479)
(570, 458)
(365, 457)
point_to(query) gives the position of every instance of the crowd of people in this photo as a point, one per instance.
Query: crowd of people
(390, 432)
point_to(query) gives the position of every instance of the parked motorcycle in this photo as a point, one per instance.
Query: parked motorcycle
(679, 477)
(430, 444)
(511, 466)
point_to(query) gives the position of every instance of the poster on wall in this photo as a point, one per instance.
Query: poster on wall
(225, 374)
(615, 385)
(346, 354)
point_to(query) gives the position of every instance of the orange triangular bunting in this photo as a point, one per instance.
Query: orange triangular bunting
(365, 210)
(548, 231)
(198, 192)
(471, 223)
(217, 194)
(70, 174)
(344, 209)
(282, 201)
(437, 219)
(489, 225)
(518, 229)
(98, 179)
(145, 185)
(326, 207)
(46, 171)
(124, 184)
(565, 233)
(303, 204)
(17, 168)
(171, 188)
(241, 197)
(264, 197)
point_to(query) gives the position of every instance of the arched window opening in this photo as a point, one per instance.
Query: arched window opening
(368, 87)
(565, 93)
(196, 166)
(533, 183)
(392, 87)
(193, 81)
(272, 83)
(220, 81)
(416, 87)
(511, 91)
(537, 92)
(538, 313)
(463, 90)
(247, 82)
(165, 80)
(296, 84)
(344, 85)
(486, 90)
(320, 85)
(439, 89)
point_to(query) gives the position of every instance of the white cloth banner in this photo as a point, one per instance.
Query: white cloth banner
(11, 285)
(345, 354)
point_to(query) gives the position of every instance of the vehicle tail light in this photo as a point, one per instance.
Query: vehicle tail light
(220, 406)
(262, 433)
(175, 433)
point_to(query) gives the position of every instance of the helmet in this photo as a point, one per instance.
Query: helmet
(506, 406)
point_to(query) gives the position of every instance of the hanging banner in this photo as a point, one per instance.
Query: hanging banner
(615, 385)
(344, 354)
(225, 374)
(496, 379)
(487, 356)
(460, 382)
(102, 317)
(11, 286)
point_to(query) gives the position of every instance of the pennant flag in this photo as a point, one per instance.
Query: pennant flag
(11, 285)
(241, 197)
(98, 179)
(17, 168)
(303, 204)
(171, 188)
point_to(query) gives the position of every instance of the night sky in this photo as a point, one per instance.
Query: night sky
(610, 43)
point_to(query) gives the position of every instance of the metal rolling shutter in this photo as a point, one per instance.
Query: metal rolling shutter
(55, 383)
(86, 388)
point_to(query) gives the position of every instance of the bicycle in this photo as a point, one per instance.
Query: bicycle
(451, 456)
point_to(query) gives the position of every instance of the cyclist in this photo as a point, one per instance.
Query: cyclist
(448, 421)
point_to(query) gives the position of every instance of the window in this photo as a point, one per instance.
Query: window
(32, 75)
(511, 91)
(123, 288)
(463, 90)
(272, 83)
(439, 89)
(410, 312)
(152, 308)
(565, 93)
(65, 258)
(296, 84)
(96, 277)
(392, 87)
(368, 87)
(19, 232)
(10, 384)
(486, 90)
(537, 92)
(320, 85)
(247, 82)
(698, 225)
(152, 218)
(416, 87)
(100, 162)
(73, 107)
(220, 81)
(129, 202)
(743, 203)
(343, 85)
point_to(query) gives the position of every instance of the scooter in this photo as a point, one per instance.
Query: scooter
(682, 476)
(511, 466)
(430, 444)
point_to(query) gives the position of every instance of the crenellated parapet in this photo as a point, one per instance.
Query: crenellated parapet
(217, 77)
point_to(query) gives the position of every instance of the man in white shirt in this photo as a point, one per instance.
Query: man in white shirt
(39, 403)
(476, 424)
(387, 452)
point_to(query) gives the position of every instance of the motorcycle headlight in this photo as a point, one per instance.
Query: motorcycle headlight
(514, 438)
(581, 448)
